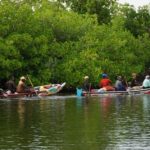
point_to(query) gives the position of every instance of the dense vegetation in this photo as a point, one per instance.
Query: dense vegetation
(53, 42)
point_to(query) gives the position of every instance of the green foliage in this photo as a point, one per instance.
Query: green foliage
(103, 9)
(137, 22)
(52, 44)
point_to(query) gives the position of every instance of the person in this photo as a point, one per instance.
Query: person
(1, 91)
(105, 83)
(119, 85)
(146, 82)
(86, 86)
(134, 82)
(124, 82)
(10, 86)
(21, 88)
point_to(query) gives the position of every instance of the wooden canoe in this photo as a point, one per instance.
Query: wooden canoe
(94, 92)
(49, 90)
(17, 95)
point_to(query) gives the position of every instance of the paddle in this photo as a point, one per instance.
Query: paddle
(30, 80)
(89, 92)
(31, 83)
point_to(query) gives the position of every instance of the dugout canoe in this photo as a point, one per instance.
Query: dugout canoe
(44, 90)
(50, 89)
(95, 92)
(17, 95)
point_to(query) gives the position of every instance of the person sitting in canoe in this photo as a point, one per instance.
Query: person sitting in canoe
(146, 82)
(10, 86)
(134, 82)
(119, 85)
(105, 83)
(1, 91)
(124, 82)
(21, 87)
(86, 86)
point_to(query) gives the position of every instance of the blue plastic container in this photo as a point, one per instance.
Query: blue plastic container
(79, 92)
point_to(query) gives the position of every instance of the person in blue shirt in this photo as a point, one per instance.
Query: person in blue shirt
(119, 85)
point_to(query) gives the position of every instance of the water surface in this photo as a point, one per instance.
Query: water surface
(71, 123)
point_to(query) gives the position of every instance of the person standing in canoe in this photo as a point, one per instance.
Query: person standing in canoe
(86, 86)
(21, 88)
(105, 83)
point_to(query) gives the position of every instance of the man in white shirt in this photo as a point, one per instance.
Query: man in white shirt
(146, 82)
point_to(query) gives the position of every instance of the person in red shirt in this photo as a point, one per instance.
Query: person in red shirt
(105, 83)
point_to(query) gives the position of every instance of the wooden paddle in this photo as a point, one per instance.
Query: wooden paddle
(31, 83)
(30, 80)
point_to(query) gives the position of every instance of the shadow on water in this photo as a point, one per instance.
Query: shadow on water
(76, 123)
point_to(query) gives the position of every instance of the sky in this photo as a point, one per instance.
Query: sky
(136, 3)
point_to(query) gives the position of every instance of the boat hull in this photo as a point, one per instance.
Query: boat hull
(17, 95)
(95, 92)
(52, 90)
(36, 92)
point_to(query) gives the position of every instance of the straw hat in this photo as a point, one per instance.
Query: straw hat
(86, 77)
(22, 78)
(134, 74)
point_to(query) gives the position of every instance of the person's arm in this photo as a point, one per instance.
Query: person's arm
(110, 82)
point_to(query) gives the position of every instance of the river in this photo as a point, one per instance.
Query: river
(75, 123)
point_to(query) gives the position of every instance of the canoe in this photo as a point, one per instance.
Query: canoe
(95, 92)
(140, 91)
(50, 89)
(17, 95)
(44, 90)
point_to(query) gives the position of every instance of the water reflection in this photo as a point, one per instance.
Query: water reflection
(21, 112)
(146, 103)
(120, 101)
(93, 123)
(105, 106)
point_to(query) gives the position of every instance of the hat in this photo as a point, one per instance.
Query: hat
(134, 74)
(86, 77)
(119, 77)
(22, 78)
(147, 77)
(104, 75)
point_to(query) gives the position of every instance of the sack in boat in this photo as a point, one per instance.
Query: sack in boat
(109, 88)
(42, 89)
(102, 90)
(136, 88)
(8, 92)
(53, 89)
